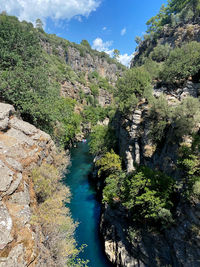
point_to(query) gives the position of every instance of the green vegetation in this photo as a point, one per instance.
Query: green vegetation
(175, 13)
(102, 139)
(28, 80)
(53, 216)
(160, 53)
(182, 118)
(145, 193)
(189, 163)
(182, 63)
(134, 85)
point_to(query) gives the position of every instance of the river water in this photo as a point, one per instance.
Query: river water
(84, 207)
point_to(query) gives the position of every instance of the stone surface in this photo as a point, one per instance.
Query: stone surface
(6, 177)
(5, 226)
(179, 245)
(22, 147)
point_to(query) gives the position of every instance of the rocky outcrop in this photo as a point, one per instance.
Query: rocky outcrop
(173, 36)
(74, 90)
(133, 133)
(91, 62)
(177, 245)
(22, 147)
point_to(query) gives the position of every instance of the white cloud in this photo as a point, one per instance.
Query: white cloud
(101, 46)
(30, 10)
(125, 59)
(104, 28)
(123, 31)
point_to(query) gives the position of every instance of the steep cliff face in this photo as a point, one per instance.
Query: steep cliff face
(172, 36)
(74, 90)
(82, 61)
(133, 133)
(90, 62)
(177, 245)
(22, 147)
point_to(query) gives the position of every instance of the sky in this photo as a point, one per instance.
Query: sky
(106, 24)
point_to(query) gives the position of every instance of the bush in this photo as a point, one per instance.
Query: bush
(196, 189)
(94, 90)
(160, 52)
(135, 84)
(186, 116)
(102, 139)
(52, 215)
(145, 193)
(182, 63)
(160, 115)
(189, 164)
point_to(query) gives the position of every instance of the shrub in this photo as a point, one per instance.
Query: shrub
(102, 139)
(45, 179)
(160, 52)
(196, 189)
(51, 213)
(182, 63)
(146, 193)
(186, 116)
(135, 83)
(94, 90)
(160, 115)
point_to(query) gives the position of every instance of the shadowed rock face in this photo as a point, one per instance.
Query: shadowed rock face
(22, 146)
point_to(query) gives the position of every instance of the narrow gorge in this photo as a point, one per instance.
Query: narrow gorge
(99, 162)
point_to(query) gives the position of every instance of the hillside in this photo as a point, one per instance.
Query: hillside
(45, 77)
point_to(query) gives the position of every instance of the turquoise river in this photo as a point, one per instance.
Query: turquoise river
(85, 207)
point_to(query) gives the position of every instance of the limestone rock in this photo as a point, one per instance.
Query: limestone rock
(22, 147)
(5, 226)
(6, 177)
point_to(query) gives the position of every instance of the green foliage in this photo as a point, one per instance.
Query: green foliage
(86, 44)
(160, 52)
(116, 53)
(186, 116)
(155, 23)
(94, 90)
(93, 75)
(29, 80)
(152, 67)
(160, 114)
(175, 12)
(110, 163)
(39, 24)
(182, 118)
(135, 84)
(102, 139)
(189, 163)
(146, 193)
(94, 114)
(110, 167)
(182, 63)
(52, 215)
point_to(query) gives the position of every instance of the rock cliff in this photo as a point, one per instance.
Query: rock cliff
(173, 36)
(22, 147)
(177, 245)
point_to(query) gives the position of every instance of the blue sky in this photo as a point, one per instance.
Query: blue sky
(106, 24)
